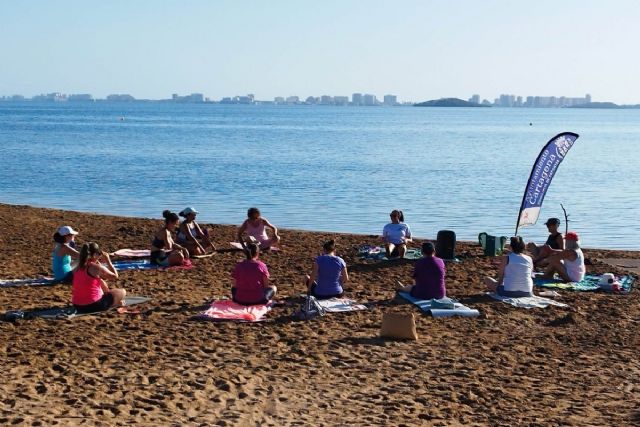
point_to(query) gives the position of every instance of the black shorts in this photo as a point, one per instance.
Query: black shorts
(102, 304)
(268, 296)
(321, 297)
(67, 279)
(160, 258)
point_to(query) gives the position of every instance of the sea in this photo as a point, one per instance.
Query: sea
(326, 168)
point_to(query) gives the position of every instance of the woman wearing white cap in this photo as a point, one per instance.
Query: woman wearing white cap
(190, 232)
(568, 262)
(62, 254)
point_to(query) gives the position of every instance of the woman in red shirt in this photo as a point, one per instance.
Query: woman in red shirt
(252, 279)
(90, 292)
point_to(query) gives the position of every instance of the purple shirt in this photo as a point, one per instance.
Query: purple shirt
(329, 270)
(429, 275)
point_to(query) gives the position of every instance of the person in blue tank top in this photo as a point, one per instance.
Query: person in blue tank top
(63, 252)
(329, 274)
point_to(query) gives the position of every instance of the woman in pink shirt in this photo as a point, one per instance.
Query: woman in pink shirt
(90, 292)
(254, 229)
(252, 279)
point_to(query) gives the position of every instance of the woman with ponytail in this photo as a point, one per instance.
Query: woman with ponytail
(396, 235)
(164, 251)
(90, 292)
(329, 274)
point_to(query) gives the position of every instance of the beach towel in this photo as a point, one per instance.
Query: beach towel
(444, 307)
(338, 305)
(70, 312)
(132, 253)
(588, 284)
(38, 281)
(228, 310)
(238, 245)
(527, 302)
(378, 253)
(145, 264)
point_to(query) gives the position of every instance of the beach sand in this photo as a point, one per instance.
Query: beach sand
(576, 366)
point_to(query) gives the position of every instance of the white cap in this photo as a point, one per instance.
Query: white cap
(189, 210)
(66, 230)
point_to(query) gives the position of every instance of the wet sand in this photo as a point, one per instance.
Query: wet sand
(577, 366)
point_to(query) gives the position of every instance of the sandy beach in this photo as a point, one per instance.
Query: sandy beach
(555, 366)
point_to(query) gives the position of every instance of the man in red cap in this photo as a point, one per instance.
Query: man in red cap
(568, 262)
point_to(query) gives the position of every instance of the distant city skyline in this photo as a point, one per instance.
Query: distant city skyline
(417, 50)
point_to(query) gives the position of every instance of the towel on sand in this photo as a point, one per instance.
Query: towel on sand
(69, 312)
(378, 253)
(132, 253)
(436, 306)
(229, 310)
(145, 264)
(337, 305)
(38, 281)
(527, 302)
(589, 283)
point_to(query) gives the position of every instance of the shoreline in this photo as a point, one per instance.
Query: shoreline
(162, 367)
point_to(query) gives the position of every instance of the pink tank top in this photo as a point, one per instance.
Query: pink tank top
(86, 289)
(258, 232)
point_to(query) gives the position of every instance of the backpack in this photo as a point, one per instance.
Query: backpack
(310, 309)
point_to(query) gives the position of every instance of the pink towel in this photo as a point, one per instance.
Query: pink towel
(229, 310)
(133, 253)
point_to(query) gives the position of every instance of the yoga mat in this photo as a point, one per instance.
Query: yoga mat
(228, 310)
(588, 284)
(69, 312)
(378, 253)
(527, 302)
(145, 264)
(38, 281)
(132, 253)
(338, 305)
(433, 306)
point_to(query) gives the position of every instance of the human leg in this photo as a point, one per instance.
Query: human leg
(402, 249)
(389, 247)
(176, 258)
(491, 283)
(118, 297)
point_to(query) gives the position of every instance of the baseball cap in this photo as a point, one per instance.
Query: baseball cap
(66, 230)
(555, 221)
(572, 235)
(189, 210)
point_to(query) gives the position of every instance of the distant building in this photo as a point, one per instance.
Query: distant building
(390, 100)
(51, 97)
(356, 99)
(369, 100)
(519, 101)
(293, 100)
(279, 100)
(475, 99)
(85, 97)
(194, 98)
(311, 100)
(326, 100)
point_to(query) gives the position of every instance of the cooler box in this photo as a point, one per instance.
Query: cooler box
(492, 245)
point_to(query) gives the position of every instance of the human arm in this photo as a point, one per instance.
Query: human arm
(271, 226)
(503, 263)
(407, 235)
(314, 275)
(241, 231)
(560, 241)
(344, 275)
(67, 250)
(186, 232)
(204, 236)
(173, 246)
(105, 272)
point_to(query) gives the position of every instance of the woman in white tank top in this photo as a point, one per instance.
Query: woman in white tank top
(568, 263)
(514, 275)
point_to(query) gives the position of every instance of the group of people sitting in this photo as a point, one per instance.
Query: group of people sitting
(90, 291)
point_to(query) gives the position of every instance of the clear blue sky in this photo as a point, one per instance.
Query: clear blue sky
(417, 50)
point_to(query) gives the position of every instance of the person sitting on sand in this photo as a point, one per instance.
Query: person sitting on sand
(514, 273)
(90, 292)
(568, 262)
(253, 229)
(190, 233)
(329, 274)
(428, 276)
(164, 251)
(63, 252)
(396, 235)
(555, 241)
(251, 278)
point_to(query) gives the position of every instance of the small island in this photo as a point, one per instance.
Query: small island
(607, 105)
(448, 102)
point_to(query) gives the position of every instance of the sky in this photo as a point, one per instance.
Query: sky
(417, 50)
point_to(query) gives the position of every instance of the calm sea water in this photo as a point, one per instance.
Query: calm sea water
(325, 168)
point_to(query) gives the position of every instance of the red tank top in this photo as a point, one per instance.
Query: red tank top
(86, 288)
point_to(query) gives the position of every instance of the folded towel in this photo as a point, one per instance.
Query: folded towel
(145, 264)
(337, 305)
(132, 253)
(437, 307)
(527, 302)
(38, 281)
(69, 312)
(230, 310)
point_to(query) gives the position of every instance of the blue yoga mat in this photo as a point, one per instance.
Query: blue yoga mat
(588, 284)
(435, 307)
(134, 264)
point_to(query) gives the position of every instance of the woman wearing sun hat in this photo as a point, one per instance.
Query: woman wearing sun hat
(569, 262)
(190, 233)
(62, 254)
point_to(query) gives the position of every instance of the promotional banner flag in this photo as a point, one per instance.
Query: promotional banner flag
(541, 175)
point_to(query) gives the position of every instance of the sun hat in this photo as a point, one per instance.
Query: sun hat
(608, 282)
(572, 235)
(66, 230)
(188, 210)
(550, 221)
